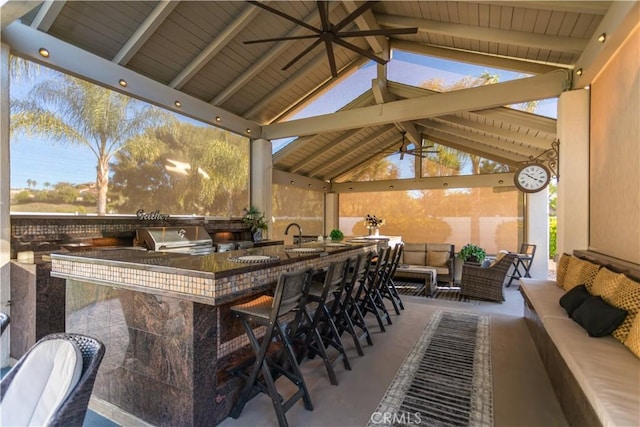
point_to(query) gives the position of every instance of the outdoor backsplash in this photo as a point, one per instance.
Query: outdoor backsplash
(45, 234)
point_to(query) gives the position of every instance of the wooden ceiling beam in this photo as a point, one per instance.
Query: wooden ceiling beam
(11, 11)
(323, 150)
(367, 21)
(477, 98)
(503, 180)
(348, 149)
(219, 43)
(490, 144)
(319, 90)
(477, 58)
(144, 31)
(493, 35)
(275, 52)
(514, 136)
(47, 14)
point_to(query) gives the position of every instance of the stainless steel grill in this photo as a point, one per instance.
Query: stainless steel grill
(190, 239)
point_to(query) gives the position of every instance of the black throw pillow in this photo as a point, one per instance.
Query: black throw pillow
(597, 317)
(574, 298)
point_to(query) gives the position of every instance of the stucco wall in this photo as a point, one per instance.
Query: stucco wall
(614, 182)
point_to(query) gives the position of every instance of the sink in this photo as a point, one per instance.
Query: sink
(304, 250)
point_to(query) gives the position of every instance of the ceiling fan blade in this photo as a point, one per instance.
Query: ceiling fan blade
(380, 32)
(301, 54)
(279, 39)
(353, 15)
(360, 51)
(332, 58)
(285, 16)
(323, 9)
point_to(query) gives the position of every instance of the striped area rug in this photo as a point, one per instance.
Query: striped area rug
(410, 288)
(446, 378)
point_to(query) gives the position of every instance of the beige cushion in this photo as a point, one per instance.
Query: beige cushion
(499, 256)
(626, 297)
(561, 269)
(579, 272)
(633, 339)
(414, 258)
(438, 258)
(442, 247)
(43, 382)
(605, 283)
(414, 250)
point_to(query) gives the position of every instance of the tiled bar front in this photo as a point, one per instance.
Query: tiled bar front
(166, 324)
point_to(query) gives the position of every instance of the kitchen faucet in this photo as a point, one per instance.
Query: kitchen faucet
(286, 231)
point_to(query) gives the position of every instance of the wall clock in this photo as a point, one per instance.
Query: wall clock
(532, 178)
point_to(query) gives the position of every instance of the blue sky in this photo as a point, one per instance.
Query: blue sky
(34, 159)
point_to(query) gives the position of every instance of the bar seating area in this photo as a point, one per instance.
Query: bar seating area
(306, 317)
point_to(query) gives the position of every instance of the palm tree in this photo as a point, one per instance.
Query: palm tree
(67, 110)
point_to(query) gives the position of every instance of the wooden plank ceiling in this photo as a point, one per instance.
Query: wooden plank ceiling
(196, 48)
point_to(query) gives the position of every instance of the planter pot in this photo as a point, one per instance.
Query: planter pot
(257, 236)
(374, 232)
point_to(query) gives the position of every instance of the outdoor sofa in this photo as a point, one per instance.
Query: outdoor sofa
(440, 256)
(596, 379)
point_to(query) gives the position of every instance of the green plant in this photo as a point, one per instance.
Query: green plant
(336, 234)
(472, 251)
(254, 219)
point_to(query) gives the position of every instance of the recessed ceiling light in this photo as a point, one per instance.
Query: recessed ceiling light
(248, 130)
(178, 104)
(43, 52)
(292, 182)
(501, 182)
(445, 184)
(218, 119)
(122, 82)
(391, 187)
(602, 37)
(310, 185)
(579, 72)
(324, 188)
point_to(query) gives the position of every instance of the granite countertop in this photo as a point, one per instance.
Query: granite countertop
(217, 264)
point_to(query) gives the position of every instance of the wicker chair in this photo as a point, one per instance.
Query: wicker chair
(486, 283)
(4, 321)
(72, 412)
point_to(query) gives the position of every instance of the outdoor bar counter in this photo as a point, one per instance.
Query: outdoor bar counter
(165, 321)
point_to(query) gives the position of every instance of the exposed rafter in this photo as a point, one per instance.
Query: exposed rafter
(142, 34)
(503, 62)
(484, 141)
(474, 126)
(365, 22)
(272, 54)
(327, 84)
(47, 14)
(214, 47)
(527, 39)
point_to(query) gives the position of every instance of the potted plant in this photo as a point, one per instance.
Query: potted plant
(472, 253)
(336, 235)
(256, 222)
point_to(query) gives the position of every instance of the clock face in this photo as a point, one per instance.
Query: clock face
(532, 178)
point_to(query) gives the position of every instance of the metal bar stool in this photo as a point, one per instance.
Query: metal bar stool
(268, 311)
(324, 333)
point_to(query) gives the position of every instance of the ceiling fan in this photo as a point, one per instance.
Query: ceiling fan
(422, 151)
(331, 34)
